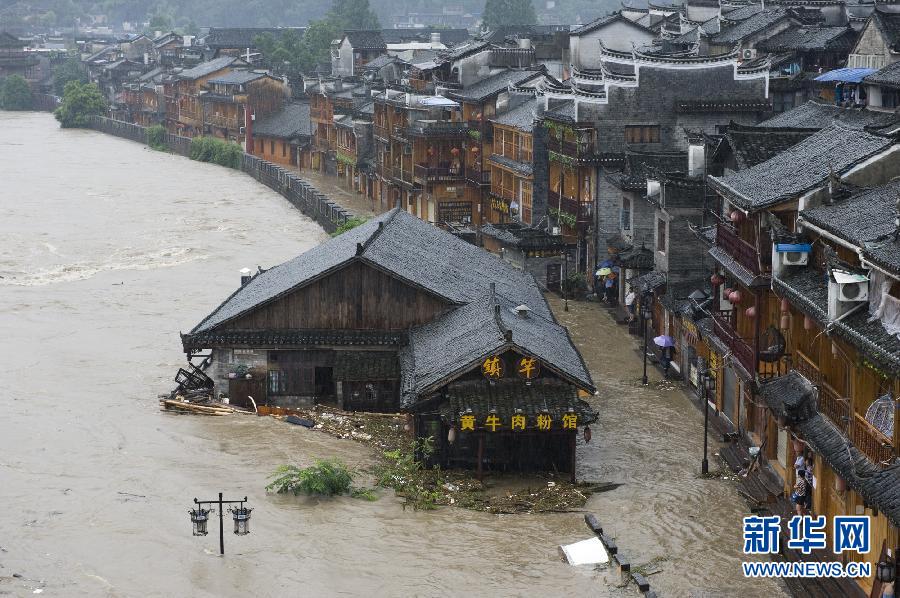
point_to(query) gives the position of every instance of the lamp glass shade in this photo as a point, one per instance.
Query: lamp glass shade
(199, 519)
(241, 516)
(885, 571)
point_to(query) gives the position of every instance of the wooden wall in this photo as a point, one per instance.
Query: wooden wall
(356, 297)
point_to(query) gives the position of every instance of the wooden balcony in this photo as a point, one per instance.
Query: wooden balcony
(227, 122)
(871, 442)
(582, 210)
(740, 349)
(437, 129)
(741, 251)
(807, 367)
(581, 149)
(381, 132)
(478, 177)
(833, 406)
(423, 173)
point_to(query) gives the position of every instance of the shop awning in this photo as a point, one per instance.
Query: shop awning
(845, 75)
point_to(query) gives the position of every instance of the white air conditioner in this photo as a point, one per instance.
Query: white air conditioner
(794, 258)
(853, 292)
(554, 231)
(242, 130)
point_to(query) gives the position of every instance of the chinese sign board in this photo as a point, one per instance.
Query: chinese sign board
(517, 422)
(494, 367)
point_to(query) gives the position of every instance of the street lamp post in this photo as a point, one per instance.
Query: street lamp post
(709, 384)
(645, 316)
(241, 516)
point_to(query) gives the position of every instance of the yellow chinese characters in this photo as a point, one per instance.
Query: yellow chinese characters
(492, 422)
(544, 421)
(528, 367)
(570, 421)
(492, 367)
(467, 422)
(518, 422)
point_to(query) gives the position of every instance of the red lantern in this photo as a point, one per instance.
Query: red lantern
(785, 321)
(785, 306)
(735, 297)
(726, 293)
(807, 323)
(716, 280)
(475, 149)
(750, 312)
(430, 150)
(455, 151)
(587, 434)
(736, 216)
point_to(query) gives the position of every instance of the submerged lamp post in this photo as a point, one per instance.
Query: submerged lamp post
(709, 385)
(240, 514)
(645, 316)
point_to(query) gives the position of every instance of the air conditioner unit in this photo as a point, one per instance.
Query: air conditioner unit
(853, 292)
(749, 54)
(242, 130)
(794, 258)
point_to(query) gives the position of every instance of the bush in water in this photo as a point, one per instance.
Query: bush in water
(156, 137)
(327, 477)
(15, 94)
(216, 151)
(80, 102)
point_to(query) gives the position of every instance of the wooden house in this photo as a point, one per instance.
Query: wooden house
(840, 312)
(14, 60)
(231, 100)
(511, 163)
(182, 91)
(398, 314)
(283, 137)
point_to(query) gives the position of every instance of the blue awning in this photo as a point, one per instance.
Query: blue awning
(793, 247)
(845, 75)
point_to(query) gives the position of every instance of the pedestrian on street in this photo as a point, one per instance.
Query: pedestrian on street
(629, 304)
(798, 496)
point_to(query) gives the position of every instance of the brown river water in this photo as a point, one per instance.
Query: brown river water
(107, 250)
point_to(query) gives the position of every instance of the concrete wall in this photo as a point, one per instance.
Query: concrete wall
(618, 35)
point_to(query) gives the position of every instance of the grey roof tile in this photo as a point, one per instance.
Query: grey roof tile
(753, 145)
(291, 121)
(366, 39)
(521, 168)
(207, 68)
(808, 39)
(521, 117)
(757, 22)
(801, 168)
(864, 217)
(818, 115)
(495, 84)
(237, 77)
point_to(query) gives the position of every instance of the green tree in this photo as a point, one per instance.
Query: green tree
(80, 102)
(15, 94)
(353, 14)
(70, 70)
(498, 13)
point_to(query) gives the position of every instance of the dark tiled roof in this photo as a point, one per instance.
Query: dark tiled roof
(738, 270)
(237, 77)
(602, 22)
(472, 47)
(754, 24)
(564, 112)
(291, 121)
(521, 117)
(207, 68)
(405, 246)
(460, 340)
(521, 168)
(523, 236)
(505, 397)
(742, 13)
(885, 254)
(639, 166)
(888, 76)
(752, 145)
(801, 168)
(242, 37)
(807, 39)
(791, 396)
(866, 216)
(290, 338)
(807, 290)
(677, 296)
(380, 62)
(367, 39)
(648, 282)
(494, 84)
(888, 23)
(637, 258)
(449, 37)
(816, 115)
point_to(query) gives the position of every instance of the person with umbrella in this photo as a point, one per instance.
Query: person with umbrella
(668, 351)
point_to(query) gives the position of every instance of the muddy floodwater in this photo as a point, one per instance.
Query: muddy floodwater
(107, 250)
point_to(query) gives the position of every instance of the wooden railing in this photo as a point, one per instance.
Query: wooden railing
(744, 253)
(426, 173)
(379, 131)
(582, 210)
(833, 406)
(805, 366)
(228, 122)
(742, 351)
(871, 442)
(479, 177)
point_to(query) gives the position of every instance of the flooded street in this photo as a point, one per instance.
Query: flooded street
(108, 249)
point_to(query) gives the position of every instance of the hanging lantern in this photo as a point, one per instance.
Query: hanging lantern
(834, 349)
(750, 312)
(475, 149)
(785, 321)
(735, 297)
(430, 150)
(785, 306)
(199, 519)
(798, 445)
(241, 517)
(587, 434)
(727, 293)
(455, 151)
(716, 280)
(451, 435)
(736, 216)
(807, 323)
(886, 571)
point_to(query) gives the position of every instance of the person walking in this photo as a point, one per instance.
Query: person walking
(798, 495)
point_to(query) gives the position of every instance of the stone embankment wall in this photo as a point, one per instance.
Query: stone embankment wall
(300, 193)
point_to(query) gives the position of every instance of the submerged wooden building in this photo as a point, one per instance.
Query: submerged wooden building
(397, 314)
